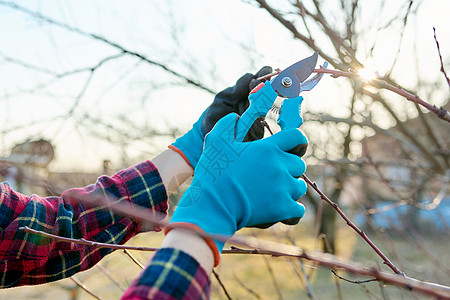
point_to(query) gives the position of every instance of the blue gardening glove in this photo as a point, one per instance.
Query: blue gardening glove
(239, 184)
(233, 99)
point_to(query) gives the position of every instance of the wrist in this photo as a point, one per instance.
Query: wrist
(173, 169)
(191, 243)
(192, 240)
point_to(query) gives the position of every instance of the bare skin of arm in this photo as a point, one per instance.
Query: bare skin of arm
(174, 170)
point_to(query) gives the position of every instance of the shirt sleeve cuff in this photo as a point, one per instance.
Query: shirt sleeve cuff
(145, 188)
(171, 274)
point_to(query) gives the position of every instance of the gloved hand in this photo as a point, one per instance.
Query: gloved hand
(239, 184)
(233, 99)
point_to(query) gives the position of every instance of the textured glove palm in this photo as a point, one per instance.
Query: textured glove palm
(238, 184)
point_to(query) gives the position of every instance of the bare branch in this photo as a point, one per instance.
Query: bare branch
(138, 263)
(221, 284)
(26, 65)
(102, 39)
(440, 58)
(386, 260)
(352, 281)
(252, 292)
(326, 260)
(274, 278)
(379, 83)
(83, 241)
(111, 277)
(84, 287)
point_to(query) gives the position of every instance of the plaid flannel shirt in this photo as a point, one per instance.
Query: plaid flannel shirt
(171, 274)
(27, 259)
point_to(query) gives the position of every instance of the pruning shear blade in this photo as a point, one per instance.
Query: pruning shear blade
(310, 84)
(288, 83)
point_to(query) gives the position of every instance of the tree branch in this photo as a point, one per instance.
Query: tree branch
(386, 260)
(379, 83)
(83, 241)
(440, 58)
(330, 261)
(102, 39)
(84, 287)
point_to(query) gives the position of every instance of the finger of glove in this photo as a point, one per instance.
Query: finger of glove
(287, 139)
(299, 188)
(290, 221)
(224, 128)
(263, 226)
(296, 165)
(232, 99)
(263, 71)
(293, 210)
(299, 150)
(256, 132)
(241, 89)
(294, 221)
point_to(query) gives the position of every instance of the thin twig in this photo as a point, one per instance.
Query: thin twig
(352, 281)
(308, 285)
(110, 277)
(83, 241)
(440, 58)
(106, 41)
(353, 226)
(274, 279)
(221, 284)
(338, 287)
(84, 287)
(252, 292)
(268, 76)
(128, 253)
(278, 249)
(370, 293)
(309, 289)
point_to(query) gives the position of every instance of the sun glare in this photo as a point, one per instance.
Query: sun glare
(368, 74)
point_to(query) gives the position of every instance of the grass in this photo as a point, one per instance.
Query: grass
(260, 277)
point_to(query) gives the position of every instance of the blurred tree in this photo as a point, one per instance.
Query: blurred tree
(340, 33)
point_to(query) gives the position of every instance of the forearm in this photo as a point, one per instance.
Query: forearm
(174, 170)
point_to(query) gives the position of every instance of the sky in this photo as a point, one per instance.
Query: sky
(213, 41)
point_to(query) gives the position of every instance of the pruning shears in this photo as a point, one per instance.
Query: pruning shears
(288, 84)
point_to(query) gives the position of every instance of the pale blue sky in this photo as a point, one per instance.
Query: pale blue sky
(209, 35)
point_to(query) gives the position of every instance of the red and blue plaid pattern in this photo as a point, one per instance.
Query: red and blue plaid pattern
(171, 274)
(27, 259)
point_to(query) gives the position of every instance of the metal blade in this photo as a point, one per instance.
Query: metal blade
(309, 84)
(305, 67)
(287, 84)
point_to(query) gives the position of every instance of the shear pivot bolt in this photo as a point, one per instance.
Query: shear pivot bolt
(286, 82)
